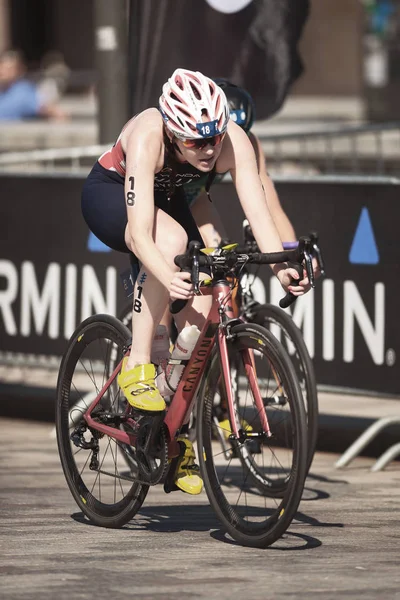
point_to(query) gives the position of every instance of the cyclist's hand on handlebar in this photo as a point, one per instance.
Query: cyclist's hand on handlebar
(289, 280)
(180, 287)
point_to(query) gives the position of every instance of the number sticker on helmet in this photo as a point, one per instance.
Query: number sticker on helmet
(208, 129)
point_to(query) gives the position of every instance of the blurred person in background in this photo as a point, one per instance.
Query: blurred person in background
(20, 98)
(54, 77)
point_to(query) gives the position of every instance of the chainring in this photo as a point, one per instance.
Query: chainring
(151, 450)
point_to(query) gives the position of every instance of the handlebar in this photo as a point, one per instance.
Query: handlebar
(192, 260)
(251, 244)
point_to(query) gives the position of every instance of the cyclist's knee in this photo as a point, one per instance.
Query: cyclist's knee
(172, 241)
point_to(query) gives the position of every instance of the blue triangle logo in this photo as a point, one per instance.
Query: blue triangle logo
(95, 245)
(364, 250)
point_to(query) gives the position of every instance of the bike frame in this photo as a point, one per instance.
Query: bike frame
(214, 331)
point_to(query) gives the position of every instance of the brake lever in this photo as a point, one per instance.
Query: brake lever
(316, 251)
(194, 248)
(177, 305)
(308, 262)
(195, 274)
(302, 253)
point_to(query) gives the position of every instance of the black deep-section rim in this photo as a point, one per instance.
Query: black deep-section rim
(118, 513)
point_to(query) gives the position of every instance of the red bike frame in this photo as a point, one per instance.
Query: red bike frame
(181, 406)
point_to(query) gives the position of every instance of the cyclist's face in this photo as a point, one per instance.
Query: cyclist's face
(201, 153)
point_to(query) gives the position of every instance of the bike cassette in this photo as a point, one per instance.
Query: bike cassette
(151, 449)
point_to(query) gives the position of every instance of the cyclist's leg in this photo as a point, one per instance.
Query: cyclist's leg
(137, 377)
(207, 228)
(198, 307)
(104, 209)
(208, 221)
(150, 296)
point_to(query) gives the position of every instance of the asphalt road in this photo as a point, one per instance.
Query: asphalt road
(344, 543)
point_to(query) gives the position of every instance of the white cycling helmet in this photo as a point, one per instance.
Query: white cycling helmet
(193, 106)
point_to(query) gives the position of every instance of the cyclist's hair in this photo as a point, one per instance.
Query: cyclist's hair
(240, 102)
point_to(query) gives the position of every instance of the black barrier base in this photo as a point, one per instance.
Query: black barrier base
(18, 401)
(336, 432)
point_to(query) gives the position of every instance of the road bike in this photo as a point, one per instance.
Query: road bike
(268, 409)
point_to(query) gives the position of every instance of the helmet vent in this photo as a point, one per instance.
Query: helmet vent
(195, 91)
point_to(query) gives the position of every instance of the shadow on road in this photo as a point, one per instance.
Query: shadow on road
(200, 517)
(168, 519)
(289, 541)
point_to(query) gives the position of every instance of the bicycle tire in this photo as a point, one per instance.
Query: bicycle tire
(219, 486)
(106, 511)
(267, 315)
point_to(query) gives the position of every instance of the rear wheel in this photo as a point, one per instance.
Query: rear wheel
(96, 466)
(277, 464)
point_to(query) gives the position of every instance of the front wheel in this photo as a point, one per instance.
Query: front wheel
(277, 462)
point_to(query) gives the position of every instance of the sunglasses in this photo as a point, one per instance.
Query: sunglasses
(201, 143)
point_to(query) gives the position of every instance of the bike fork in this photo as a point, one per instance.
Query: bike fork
(249, 365)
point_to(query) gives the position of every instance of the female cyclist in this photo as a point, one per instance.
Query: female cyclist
(133, 200)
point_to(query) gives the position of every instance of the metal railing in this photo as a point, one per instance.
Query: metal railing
(366, 149)
(364, 439)
(72, 160)
(361, 150)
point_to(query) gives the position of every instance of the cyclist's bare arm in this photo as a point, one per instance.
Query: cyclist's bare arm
(282, 221)
(144, 157)
(239, 159)
(209, 223)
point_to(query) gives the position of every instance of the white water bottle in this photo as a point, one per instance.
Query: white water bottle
(160, 355)
(183, 349)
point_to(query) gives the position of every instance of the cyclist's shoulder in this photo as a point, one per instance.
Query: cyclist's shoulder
(146, 124)
(144, 130)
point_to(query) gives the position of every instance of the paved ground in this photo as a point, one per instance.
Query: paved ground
(345, 542)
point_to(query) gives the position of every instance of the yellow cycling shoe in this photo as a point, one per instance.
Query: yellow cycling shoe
(139, 387)
(226, 427)
(187, 478)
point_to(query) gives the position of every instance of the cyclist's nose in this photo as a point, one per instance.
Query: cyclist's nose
(209, 150)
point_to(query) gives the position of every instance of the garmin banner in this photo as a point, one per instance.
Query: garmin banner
(53, 273)
(253, 43)
(350, 321)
